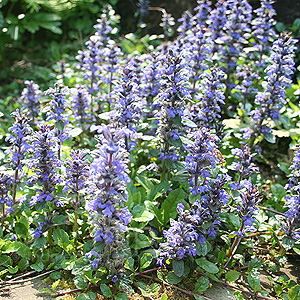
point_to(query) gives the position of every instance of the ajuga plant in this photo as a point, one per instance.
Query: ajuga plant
(45, 179)
(6, 202)
(19, 141)
(170, 103)
(292, 225)
(278, 78)
(89, 63)
(202, 10)
(75, 183)
(187, 23)
(44, 164)
(206, 110)
(58, 113)
(201, 221)
(167, 23)
(81, 106)
(109, 70)
(31, 99)
(234, 38)
(186, 214)
(127, 110)
(198, 46)
(263, 30)
(106, 204)
(247, 78)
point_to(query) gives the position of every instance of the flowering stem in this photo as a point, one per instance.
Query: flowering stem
(234, 246)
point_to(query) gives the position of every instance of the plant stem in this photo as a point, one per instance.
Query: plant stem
(147, 271)
(237, 288)
(234, 246)
(67, 292)
(175, 287)
(272, 210)
(25, 280)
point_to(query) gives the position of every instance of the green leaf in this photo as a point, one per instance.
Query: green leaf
(154, 288)
(105, 290)
(202, 285)
(23, 264)
(61, 238)
(144, 216)
(203, 248)
(55, 285)
(254, 281)
(164, 297)
(232, 276)
(288, 243)
(221, 257)
(38, 266)
(294, 293)
(81, 282)
(141, 241)
(55, 275)
(169, 206)
(269, 137)
(87, 296)
(254, 264)
(145, 260)
(39, 242)
(178, 267)
(21, 229)
(207, 265)
(46, 291)
(144, 182)
(297, 250)
(121, 296)
(278, 191)
(172, 278)
(157, 190)
(13, 270)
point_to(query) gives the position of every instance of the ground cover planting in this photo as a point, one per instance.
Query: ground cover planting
(159, 160)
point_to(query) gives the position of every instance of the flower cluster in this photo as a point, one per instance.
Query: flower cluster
(262, 28)
(31, 98)
(247, 207)
(278, 79)
(246, 76)
(90, 60)
(202, 157)
(76, 172)
(106, 207)
(203, 9)
(44, 164)
(43, 226)
(207, 110)
(170, 101)
(58, 104)
(5, 198)
(245, 166)
(239, 15)
(19, 139)
(292, 224)
(81, 105)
